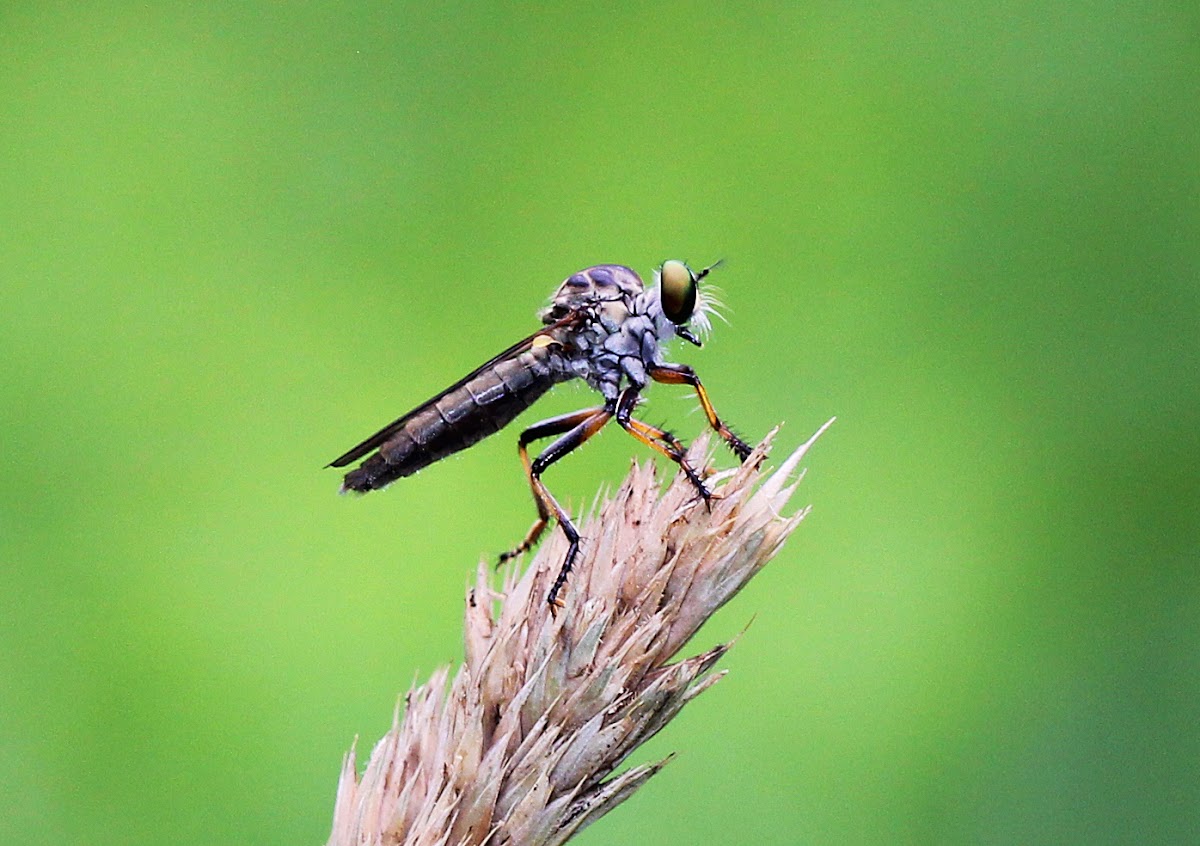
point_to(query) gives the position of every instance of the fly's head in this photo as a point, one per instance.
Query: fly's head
(684, 303)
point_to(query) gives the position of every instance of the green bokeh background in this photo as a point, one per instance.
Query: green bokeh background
(237, 237)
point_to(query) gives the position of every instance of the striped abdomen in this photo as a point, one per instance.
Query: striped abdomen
(482, 404)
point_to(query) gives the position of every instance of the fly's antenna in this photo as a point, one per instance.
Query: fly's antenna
(702, 273)
(709, 302)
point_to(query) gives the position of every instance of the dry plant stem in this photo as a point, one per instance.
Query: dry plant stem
(520, 748)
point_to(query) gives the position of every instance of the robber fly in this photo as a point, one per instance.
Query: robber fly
(603, 326)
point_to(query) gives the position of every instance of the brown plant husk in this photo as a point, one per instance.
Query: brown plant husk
(522, 745)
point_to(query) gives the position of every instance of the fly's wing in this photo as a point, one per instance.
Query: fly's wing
(387, 431)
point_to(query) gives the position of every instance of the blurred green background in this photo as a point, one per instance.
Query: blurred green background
(235, 238)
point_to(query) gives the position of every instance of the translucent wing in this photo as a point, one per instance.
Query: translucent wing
(387, 431)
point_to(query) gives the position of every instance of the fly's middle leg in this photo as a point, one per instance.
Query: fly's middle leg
(660, 440)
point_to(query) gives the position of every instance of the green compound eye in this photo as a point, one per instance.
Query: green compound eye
(677, 291)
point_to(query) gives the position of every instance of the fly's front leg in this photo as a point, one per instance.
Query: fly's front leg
(660, 440)
(681, 374)
(544, 429)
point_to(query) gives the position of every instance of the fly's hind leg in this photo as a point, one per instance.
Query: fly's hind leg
(575, 429)
(660, 440)
(543, 429)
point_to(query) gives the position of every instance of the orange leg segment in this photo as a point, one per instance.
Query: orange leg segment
(681, 374)
(658, 439)
(574, 430)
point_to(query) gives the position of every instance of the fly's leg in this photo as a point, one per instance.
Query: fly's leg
(572, 439)
(583, 424)
(660, 440)
(543, 429)
(681, 374)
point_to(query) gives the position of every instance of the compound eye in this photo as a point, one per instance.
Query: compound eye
(677, 291)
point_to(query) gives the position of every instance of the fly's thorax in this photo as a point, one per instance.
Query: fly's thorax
(609, 353)
(580, 354)
(623, 334)
(607, 289)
